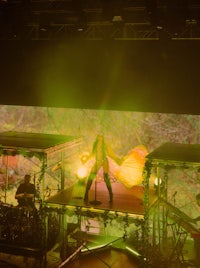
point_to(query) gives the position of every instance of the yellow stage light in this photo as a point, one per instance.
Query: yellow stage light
(82, 172)
(157, 181)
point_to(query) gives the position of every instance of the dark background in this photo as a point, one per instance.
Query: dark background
(148, 75)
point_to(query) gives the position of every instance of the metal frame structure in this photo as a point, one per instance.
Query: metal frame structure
(125, 20)
(164, 220)
(41, 146)
(73, 236)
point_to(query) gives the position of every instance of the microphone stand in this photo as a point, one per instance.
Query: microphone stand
(95, 201)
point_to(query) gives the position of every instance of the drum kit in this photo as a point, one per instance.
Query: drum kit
(25, 226)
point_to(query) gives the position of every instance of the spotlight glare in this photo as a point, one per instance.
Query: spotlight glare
(82, 172)
(157, 181)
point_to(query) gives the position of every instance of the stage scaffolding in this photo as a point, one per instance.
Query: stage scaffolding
(46, 149)
(42, 151)
(164, 220)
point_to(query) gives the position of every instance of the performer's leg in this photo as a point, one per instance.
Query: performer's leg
(89, 183)
(108, 184)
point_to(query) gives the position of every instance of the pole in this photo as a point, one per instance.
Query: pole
(95, 201)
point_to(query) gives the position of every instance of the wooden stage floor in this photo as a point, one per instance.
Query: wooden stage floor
(124, 200)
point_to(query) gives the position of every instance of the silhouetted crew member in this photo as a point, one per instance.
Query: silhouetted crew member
(25, 193)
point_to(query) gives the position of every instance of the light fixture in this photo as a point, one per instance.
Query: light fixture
(82, 172)
(157, 181)
(158, 185)
(117, 18)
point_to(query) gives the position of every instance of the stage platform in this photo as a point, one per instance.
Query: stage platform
(124, 200)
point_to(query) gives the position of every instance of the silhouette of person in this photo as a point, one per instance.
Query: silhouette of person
(100, 151)
(25, 193)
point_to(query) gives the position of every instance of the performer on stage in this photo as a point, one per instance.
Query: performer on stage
(25, 193)
(100, 152)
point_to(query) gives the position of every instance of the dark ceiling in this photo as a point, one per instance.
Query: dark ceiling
(112, 54)
(50, 19)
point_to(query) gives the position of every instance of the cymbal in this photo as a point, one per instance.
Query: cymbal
(62, 197)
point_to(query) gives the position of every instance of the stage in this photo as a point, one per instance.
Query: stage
(124, 200)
